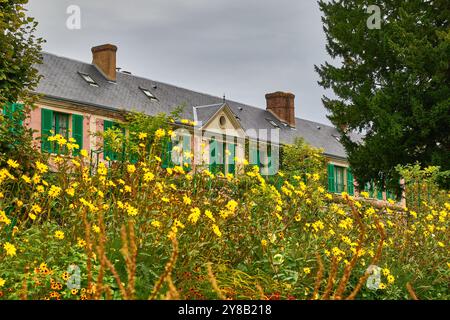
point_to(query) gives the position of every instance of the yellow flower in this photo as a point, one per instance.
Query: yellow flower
(32, 216)
(209, 215)
(59, 235)
(364, 194)
(264, 243)
(4, 218)
(26, 179)
(10, 249)
(390, 279)
(81, 243)
(84, 153)
(41, 167)
(131, 168)
(298, 217)
(70, 191)
(194, 216)
(160, 133)
(165, 199)
(307, 270)
(132, 211)
(216, 230)
(231, 205)
(187, 200)
(2, 282)
(156, 224)
(36, 209)
(382, 286)
(149, 177)
(96, 228)
(142, 135)
(54, 191)
(13, 164)
(441, 244)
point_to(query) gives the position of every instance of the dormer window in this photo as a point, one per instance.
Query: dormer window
(88, 79)
(148, 93)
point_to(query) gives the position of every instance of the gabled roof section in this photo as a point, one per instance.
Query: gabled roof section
(61, 80)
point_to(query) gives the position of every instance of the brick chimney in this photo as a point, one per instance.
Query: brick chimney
(104, 57)
(281, 105)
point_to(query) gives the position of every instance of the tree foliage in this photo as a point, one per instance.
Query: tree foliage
(19, 53)
(390, 84)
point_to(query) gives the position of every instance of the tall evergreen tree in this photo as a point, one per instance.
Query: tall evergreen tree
(391, 83)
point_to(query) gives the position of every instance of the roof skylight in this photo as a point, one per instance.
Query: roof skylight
(149, 94)
(273, 123)
(88, 79)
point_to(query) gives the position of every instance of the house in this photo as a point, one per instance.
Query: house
(84, 98)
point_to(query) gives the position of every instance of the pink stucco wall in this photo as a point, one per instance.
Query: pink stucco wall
(33, 121)
(86, 132)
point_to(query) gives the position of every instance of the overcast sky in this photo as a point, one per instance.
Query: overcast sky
(240, 48)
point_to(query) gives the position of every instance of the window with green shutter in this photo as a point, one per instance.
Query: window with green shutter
(350, 186)
(53, 123)
(77, 132)
(331, 183)
(339, 179)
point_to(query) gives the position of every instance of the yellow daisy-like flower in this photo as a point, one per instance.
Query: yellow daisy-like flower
(264, 243)
(156, 224)
(149, 177)
(59, 235)
(13, 164)
(390, 279)
(307, 270)
(43, 168)
(84, 153)
(187, 200)
(10, 249)
(81, 243)
(216, 230)
(32, 216)
(142, 135)
(382, 286)
(96, 228)
(131, 168)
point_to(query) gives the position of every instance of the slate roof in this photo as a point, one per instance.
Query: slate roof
(61, 80)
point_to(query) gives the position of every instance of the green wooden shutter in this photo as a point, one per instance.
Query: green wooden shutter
(77, 131)
(213, 146)
(231, 161)
(379, 194)
(107, 152)
(350, 187)
(254, 154)
(18, 107)
(186, 148)
(46, 128)
(166, 155)
(331, 183)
